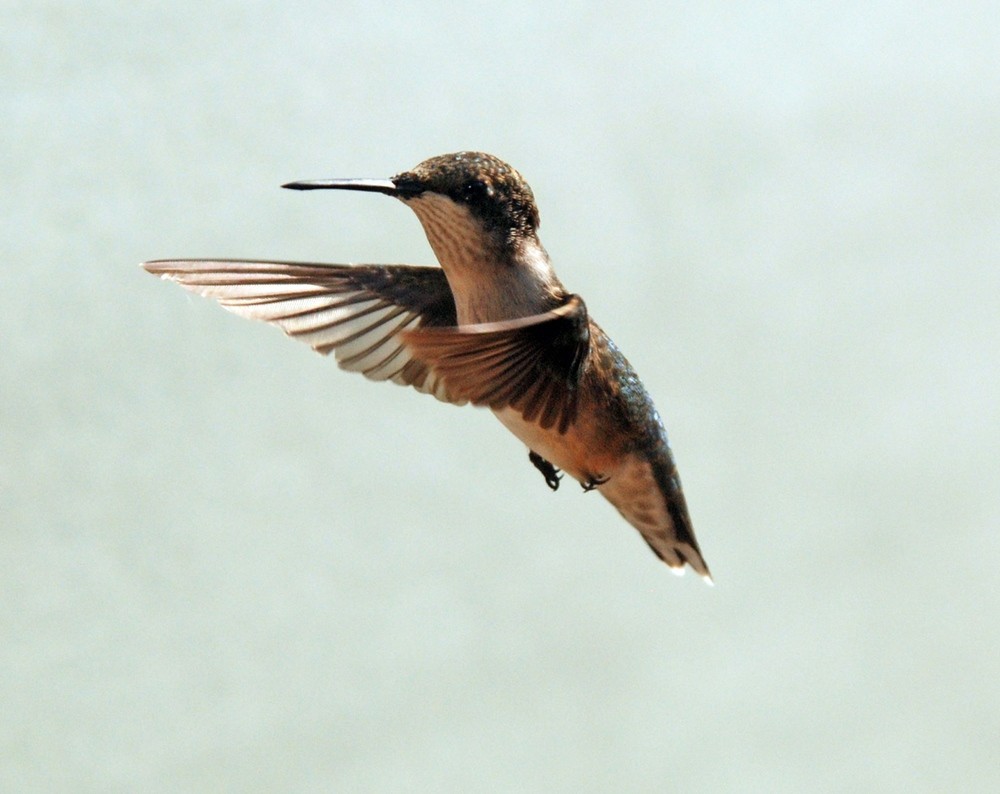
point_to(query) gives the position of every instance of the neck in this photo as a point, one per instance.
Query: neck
(487, 288)
(489, 282)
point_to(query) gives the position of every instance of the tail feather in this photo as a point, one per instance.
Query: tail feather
(648, 494)
(676, 554)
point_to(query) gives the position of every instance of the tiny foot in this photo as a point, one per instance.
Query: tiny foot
(592, 483)
(549, 472)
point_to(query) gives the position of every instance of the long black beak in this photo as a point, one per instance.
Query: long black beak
(387, 186)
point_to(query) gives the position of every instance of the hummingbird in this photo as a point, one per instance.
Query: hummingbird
(492, 326)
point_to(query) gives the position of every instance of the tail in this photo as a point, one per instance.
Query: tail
(649, 496)
(676, 545)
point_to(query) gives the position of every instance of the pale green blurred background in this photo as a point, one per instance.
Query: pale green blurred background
(226, 565)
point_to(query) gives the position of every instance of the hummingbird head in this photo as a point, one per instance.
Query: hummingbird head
(490, 191)
(481, 220)
(487, 197)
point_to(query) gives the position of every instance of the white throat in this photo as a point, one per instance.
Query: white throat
(485, 288)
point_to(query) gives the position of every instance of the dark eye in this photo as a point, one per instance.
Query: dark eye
(476, 190)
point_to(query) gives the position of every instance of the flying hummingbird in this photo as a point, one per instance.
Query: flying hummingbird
(492, 326)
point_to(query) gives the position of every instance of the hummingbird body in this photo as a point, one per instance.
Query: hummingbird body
(493, 326)
(619, 447)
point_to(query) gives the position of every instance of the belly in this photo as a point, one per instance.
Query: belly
(583, 455)
(583, 451)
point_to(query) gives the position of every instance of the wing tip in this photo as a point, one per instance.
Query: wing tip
(162, 268)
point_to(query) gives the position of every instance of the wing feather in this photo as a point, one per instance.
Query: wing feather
(532, 364)
(398, 323)
(360, 313)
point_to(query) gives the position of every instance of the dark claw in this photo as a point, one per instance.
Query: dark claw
(549, 472)
(592, 483)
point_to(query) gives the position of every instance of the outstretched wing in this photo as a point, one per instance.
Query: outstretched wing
(531, 364)
(398, 323)
(359, 312)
